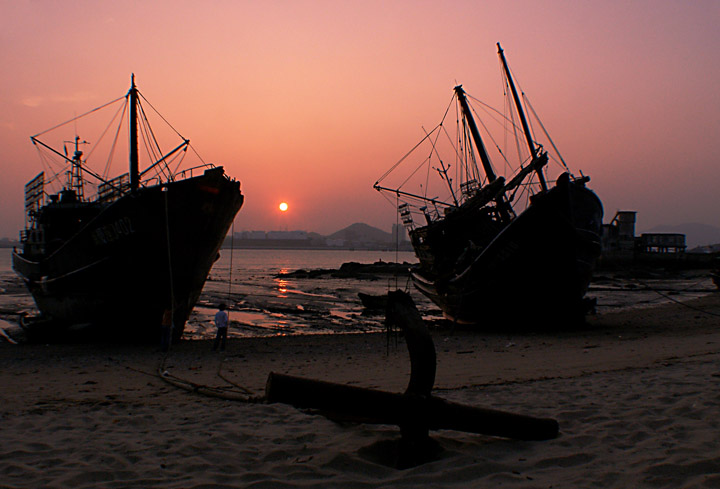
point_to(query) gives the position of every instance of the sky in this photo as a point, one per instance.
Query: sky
(310, 102)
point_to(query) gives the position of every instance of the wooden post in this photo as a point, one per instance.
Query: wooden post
(401, 310)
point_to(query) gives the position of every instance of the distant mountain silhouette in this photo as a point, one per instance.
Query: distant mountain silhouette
(361, 232)
(696, 234)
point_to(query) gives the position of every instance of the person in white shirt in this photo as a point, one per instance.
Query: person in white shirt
(221, 322)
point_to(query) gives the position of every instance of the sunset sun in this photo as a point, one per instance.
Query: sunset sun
(283, 206)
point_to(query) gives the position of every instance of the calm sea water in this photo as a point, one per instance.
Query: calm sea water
(263, 304)
(275, 261)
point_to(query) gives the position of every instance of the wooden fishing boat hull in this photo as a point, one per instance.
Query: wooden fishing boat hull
(134, 257)
(536, 269)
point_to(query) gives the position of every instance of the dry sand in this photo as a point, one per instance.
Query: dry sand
(636, 395)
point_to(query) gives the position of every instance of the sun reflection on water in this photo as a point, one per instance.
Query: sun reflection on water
(282, 284)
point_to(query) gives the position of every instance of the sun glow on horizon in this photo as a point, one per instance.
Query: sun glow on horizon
(283, 207)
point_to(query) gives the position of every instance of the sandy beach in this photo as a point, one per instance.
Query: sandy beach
(635, 393)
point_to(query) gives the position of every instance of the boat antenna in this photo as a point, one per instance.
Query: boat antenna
(75, 181)
(134, 165)
(523, 119)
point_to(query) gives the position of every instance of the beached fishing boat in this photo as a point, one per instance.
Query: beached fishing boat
(112, 254)
(496, 247)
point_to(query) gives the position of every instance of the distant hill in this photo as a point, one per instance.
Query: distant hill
(358, 236)
(361, 232)
(696, 234)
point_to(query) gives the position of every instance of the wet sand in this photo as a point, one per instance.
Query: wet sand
(635, 393)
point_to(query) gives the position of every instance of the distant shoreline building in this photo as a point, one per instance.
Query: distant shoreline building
(273, 239)
(620, 245)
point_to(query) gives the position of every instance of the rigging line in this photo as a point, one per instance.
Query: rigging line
(547, 135)
(152, 156)
(470, 156)
(460, 160)
(412, 174)
(443, 173)
(452, 145)
(489, 109)
(102, 135)
(442, 121)
(388, 199)
(384, 196)
(148, 138)
(522, 92)
(511, 111)
(68, 160)
(79, 116)
(170, 159)
(487, 132)
(170, 156)
(160, 115)
(148, 128)
(508, 165)
(177, 167)
(108, 163)
(397, 234)
(552, 157)
(427, 176)
(460, 165)
(466, 155)
(406, 155)
(198, 155)
(47, 164)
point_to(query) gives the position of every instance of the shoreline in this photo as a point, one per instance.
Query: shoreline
(466, 358)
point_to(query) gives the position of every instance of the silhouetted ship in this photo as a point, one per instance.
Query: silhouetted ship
(497, 250)
(142, 244)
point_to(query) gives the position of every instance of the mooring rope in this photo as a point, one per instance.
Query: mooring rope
(689, 306)
(166, 190)
(232, 252)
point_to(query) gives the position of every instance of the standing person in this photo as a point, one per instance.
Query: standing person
(221, 322)
(166, 330)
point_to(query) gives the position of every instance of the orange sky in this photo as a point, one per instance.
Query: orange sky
(309, 102)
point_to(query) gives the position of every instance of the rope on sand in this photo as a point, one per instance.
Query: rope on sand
(244, 395)
(219, 392)
(239, 387)
(7, 337)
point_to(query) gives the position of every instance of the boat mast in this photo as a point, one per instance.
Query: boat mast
(503, 205)
(526, 127)
(134, 165)
(475, 134)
